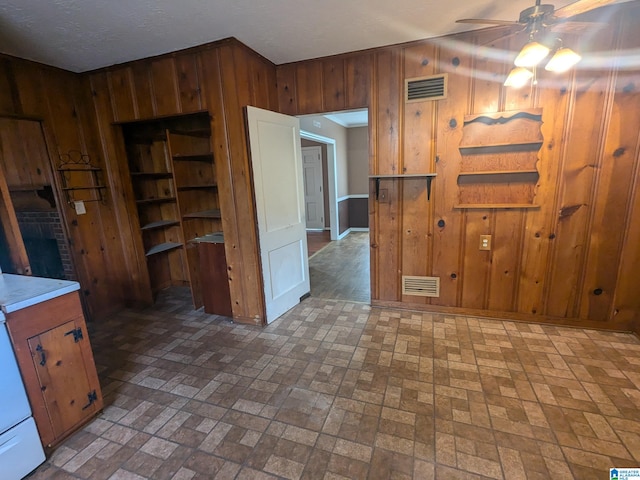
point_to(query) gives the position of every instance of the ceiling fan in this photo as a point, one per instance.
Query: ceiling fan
(546, 16)
(535, 20)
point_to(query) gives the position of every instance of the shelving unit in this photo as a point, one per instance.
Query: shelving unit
(174, 181)
(81, 180)
(499, 160)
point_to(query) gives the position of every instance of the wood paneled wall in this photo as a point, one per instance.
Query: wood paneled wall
(61, 101)
(220, 78)
(573, 260)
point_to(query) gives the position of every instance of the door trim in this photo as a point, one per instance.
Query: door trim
(331, 177)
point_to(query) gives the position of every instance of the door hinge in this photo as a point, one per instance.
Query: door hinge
(77, 334)
(92, 398)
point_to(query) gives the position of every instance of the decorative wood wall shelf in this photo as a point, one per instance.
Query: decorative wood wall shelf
(428, 176)
(485, 206)
(499, 159)
(78, 174)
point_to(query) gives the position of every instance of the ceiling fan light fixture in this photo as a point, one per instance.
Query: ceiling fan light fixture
(531, 54)
(518, 77)
(562, 60)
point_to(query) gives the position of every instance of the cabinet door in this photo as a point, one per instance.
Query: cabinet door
(58, 360)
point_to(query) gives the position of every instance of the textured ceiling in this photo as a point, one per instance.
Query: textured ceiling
(81, 35)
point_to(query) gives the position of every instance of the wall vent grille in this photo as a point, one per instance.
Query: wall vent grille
(421, 286)
(433, 87)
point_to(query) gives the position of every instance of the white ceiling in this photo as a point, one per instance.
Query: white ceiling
(81, 35)
(350, 119)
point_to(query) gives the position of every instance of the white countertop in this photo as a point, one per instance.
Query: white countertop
(21, 291)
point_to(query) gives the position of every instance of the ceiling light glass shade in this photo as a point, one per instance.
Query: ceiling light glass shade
(531, 55)
(518, 77)
(562, 60)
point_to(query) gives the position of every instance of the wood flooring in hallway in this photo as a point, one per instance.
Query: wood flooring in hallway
(340, 271)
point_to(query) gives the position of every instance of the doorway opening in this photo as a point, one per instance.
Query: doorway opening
(338, 244)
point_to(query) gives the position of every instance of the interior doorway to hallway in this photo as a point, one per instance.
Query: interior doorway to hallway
(339, 243)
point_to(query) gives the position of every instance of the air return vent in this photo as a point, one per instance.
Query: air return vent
(421, 286)
(419, 89)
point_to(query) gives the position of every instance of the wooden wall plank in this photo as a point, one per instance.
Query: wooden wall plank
(9, 96)
(31, 90)
(476, 267)
(419, 117)
(309, 87)
(387, 239)
(388, 69)
(135, 284)
(575, 190)
(539, 223)
(626, 311)
(418, 157)
(120, 88)
(188, 83)
(505, 260)
(164, 81)
(333, 85)
(476, 263)
(263, 79)
(358, 73)
(415, 227)
(142, 89)
(613, 190)
(448, 221)
(242, 254)
(287, 92)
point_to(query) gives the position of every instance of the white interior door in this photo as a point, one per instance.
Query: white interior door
(313, 191)
(278, 183)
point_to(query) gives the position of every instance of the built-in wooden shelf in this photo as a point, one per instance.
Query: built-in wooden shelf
(214, 213)
(84, 188)
(428, 176)
(495, 205)
(160, 224)
(151, 175)
(498, 172)
(174, 183)
(201, 157)
(149, 201)
(162, 247)
(79, 169)
(500, 148)
(197, 187)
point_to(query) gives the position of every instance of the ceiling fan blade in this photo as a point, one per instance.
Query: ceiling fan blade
(502, 37)
(576, 27)
(579, 7)
(482, 21)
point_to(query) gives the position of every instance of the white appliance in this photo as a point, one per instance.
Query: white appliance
(20, 447)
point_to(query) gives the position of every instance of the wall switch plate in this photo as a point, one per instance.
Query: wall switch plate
(485, 242)
(79, 207)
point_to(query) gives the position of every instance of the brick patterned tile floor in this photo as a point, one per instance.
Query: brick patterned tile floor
(336, 390)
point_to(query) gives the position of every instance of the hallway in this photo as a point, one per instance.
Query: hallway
(340, 271)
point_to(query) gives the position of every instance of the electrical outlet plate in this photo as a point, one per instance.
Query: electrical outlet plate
(485, 242)
(79, 207)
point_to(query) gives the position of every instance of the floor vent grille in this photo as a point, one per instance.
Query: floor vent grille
(421, 286)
